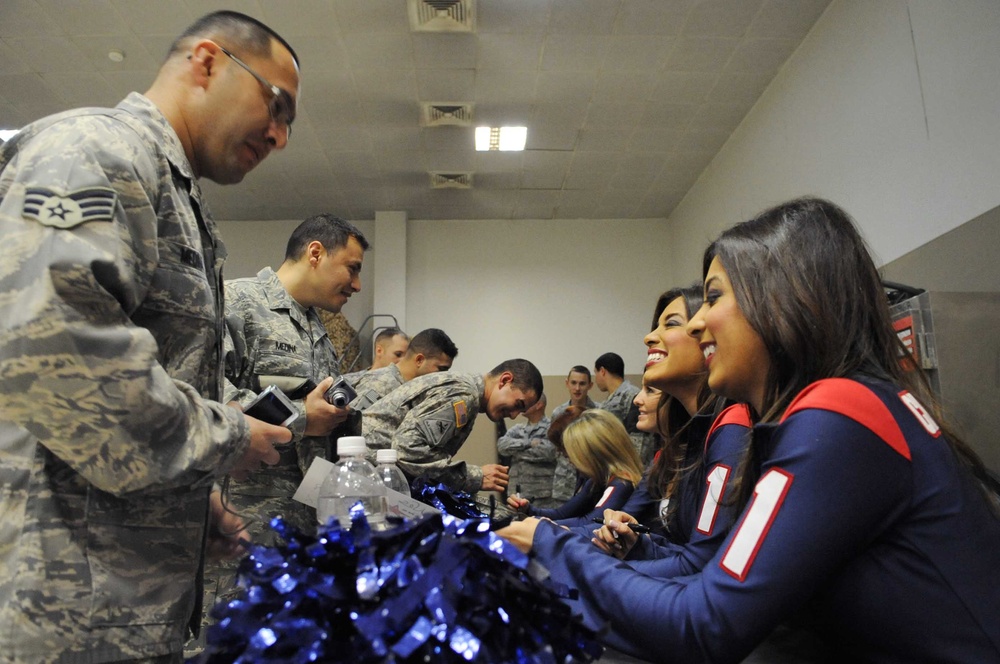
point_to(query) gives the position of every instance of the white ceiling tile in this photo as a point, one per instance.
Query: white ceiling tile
(637, 52)
(448, 138)
(564, 87)
(294, 18)
(51, 54)
(786, 18)
(82, 88)
(683, 87)
(583, 17)
(652, 17)
(25, 18)
(512, 16)
(505, 51)
(159, 18)
(137, 58)
(95, 17)
(446, 84)
(404, 114)
(604, 140)
(739, 87)
(378, 51)
(573, 52)
(667, 116)
(761, 55)
(444, 51)
(645, 139)
(701, 54)
(12, 61)
(395, 85)
(496, 85)
(609, 90)
(368, 16)
(547, 136)
(623, 86)
(614, 115)
(721, 18)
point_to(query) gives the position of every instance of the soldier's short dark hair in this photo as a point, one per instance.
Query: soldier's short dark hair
(387, 333)
(527, 378)
(237, 30)
(613, 362)
(332, 232)
(580, 369)
(432, 342)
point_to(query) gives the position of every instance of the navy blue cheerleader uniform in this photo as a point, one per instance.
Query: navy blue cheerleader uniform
(863, 524)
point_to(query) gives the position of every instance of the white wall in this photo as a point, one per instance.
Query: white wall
(556, 292)
(897, 125)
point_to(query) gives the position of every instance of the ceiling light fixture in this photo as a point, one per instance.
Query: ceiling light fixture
(501, 138)
(116, 55)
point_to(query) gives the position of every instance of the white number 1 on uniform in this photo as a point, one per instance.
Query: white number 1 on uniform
(767, 498)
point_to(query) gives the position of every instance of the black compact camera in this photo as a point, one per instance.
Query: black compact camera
(340, 393)
(272, 406)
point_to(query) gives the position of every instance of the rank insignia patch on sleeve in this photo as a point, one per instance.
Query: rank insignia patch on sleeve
(461, 414)
(51, 208)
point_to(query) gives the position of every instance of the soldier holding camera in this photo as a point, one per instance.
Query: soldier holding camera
(275, 337)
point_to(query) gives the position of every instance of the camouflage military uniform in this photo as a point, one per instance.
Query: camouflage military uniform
(272, 339)
(374, 384)
(533, 461)
(565, 477)
(426, 421)
(619, 401)
(111, 344)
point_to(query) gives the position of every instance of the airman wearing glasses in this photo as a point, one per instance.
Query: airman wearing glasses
(112, 433)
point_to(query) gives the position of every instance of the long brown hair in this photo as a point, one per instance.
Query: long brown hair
(803, 277)
(672, 419)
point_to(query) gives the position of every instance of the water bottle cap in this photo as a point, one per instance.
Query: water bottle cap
(386, 456)
(351, 445)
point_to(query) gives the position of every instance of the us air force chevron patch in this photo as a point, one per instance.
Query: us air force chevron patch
(52, 208)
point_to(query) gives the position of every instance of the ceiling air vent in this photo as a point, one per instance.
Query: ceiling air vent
(442, 15)
(436, 114)
(451, 180)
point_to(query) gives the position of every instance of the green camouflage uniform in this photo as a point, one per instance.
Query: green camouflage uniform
(532, 461)
(272, 339)
(565, 477)
(374, 384)
(111, 318)
(426, 421)
(619, 401)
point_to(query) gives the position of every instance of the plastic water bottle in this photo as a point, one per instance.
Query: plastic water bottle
(352, 479)
(391, 474)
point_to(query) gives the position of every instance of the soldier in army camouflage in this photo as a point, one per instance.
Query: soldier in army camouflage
(429, 418)
(533, 457)
(431, 350)
(276, 337)
(112, 432)
(565, 478)
(609, 376)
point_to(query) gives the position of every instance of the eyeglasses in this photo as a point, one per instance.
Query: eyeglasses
(281, 107)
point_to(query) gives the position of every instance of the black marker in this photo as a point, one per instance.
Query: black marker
(636, 528)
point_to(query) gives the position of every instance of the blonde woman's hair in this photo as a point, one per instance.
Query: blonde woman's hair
(596, 443)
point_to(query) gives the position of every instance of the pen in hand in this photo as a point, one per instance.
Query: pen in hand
(636, 528)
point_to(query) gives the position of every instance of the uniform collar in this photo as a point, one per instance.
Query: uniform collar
(278, 298)
(170, 144)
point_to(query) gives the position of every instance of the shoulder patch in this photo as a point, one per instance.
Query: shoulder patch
(738, 414)
(52, 208)
(852, 399)
(461, 414)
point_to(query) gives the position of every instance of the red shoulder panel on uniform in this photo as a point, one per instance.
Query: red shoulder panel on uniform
(738, 414)
(852, 399)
